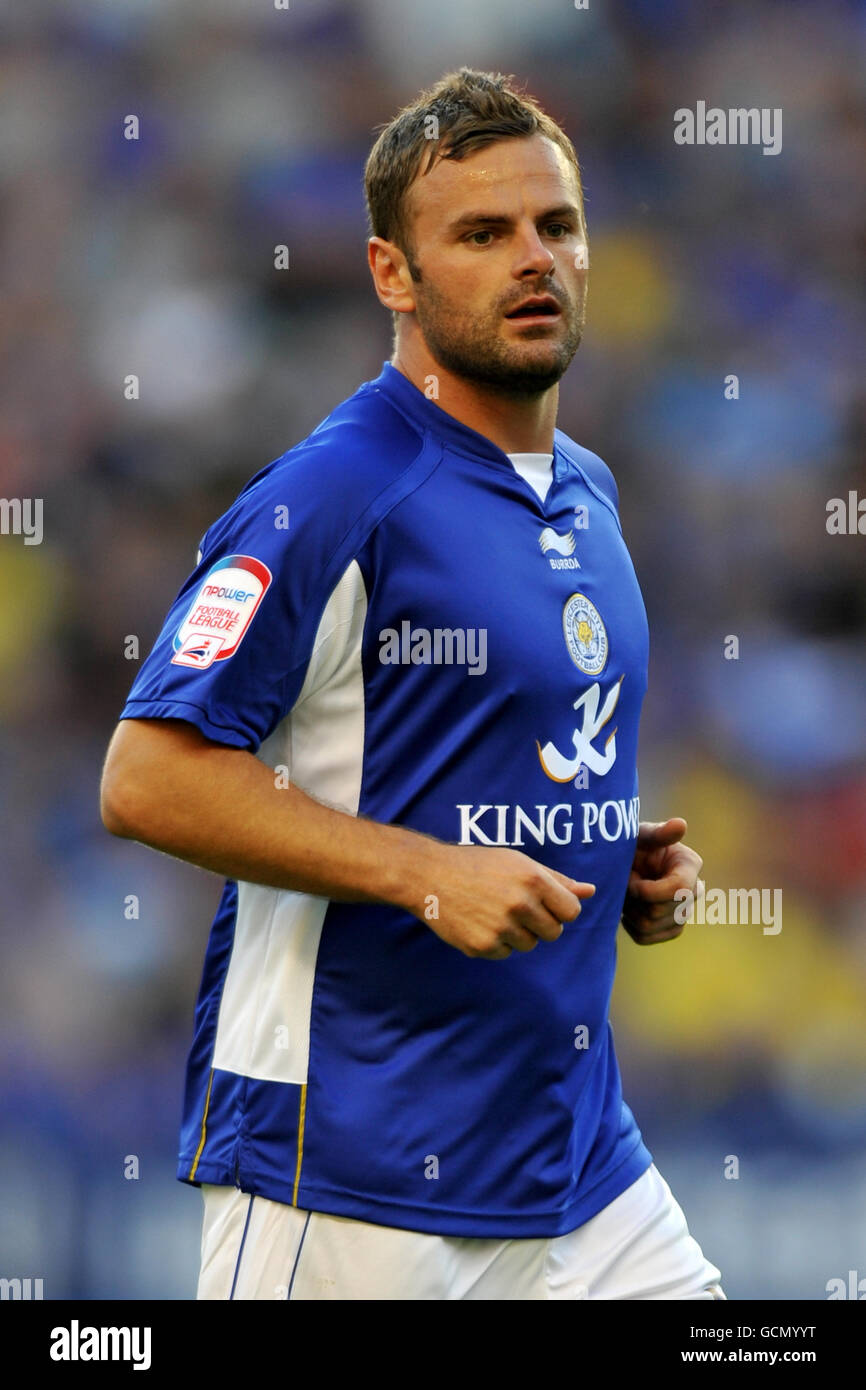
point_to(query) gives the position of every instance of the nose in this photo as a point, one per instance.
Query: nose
(533, 257)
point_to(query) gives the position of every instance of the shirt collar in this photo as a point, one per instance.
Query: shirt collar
(426, 413)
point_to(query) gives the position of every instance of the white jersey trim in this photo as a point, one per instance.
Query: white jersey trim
(263, 1029)
(536, 470)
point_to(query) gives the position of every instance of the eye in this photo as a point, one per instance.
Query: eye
(564, 229)
(482, 231)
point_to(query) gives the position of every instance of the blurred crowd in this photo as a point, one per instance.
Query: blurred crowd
(154, 257)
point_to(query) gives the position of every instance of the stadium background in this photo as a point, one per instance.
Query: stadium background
(156, 257)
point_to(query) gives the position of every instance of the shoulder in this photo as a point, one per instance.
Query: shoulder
(361, 445)
(339, 480)
(594, 468)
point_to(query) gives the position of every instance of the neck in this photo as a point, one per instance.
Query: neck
(516, 424)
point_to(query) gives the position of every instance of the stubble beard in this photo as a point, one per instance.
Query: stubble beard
(475, 350)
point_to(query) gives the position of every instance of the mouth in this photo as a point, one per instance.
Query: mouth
(538, 309)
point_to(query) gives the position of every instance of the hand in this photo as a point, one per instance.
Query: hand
(661, 866)
(491, 902)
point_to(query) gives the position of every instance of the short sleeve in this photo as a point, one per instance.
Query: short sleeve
(233, 653)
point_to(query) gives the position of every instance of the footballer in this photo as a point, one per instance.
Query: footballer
(402, 1082)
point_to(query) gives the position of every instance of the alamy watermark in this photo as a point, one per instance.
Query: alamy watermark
(846, 517)
(77, 1343)
(731, 907)
(23, 1289)
(22, 516)
(439, 646)
(853, 1288)
(739, 125)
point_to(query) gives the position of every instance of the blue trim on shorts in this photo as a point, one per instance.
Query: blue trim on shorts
(298, 1256)
(241, 1250)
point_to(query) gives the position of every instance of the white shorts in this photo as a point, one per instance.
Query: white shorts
(637, 1247)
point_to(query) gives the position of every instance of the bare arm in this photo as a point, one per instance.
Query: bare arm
(167, 785)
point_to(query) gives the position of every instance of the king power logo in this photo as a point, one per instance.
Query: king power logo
(562, 769)
(515, 826)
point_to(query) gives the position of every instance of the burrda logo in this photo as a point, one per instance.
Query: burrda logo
(553, 544)
(551, 540)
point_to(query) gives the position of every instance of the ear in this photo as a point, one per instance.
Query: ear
(391, 279)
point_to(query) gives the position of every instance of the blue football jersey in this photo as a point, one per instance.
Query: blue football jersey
(390, 617)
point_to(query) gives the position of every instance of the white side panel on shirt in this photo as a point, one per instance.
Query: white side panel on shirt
(263, 1029)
